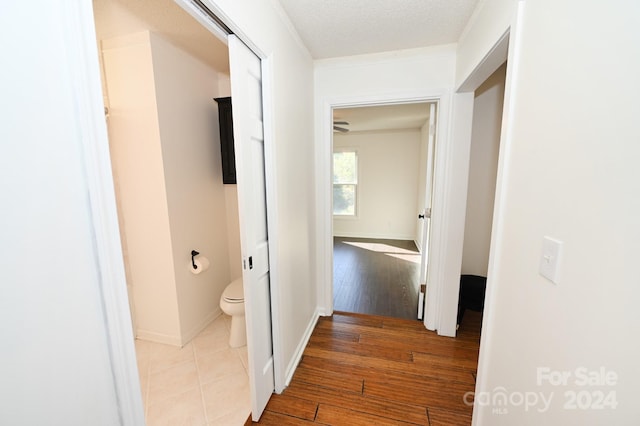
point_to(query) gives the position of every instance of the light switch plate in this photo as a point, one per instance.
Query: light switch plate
(550, 261)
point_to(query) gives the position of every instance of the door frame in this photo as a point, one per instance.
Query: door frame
(441, 198)
(82, 57)
(506, 47)
(266, 62)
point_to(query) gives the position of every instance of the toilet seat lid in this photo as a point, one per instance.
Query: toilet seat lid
(234, 291)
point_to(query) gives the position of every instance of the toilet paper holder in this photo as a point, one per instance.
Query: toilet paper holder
(193, 261)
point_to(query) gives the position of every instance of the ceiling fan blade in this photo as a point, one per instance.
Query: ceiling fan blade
(343, 123)
(340, 129)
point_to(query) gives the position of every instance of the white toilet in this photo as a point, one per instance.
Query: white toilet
(232, 304)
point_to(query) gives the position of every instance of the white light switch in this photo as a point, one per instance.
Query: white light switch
(550, 261)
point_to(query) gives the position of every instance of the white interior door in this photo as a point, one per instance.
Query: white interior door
(246, 94)
(424, 256)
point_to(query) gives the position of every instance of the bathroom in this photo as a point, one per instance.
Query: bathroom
(165, 148)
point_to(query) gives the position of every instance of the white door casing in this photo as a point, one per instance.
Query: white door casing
(246, 93)
(439, 229)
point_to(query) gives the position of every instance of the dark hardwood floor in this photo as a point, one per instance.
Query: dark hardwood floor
(370, 370)
(376, 277)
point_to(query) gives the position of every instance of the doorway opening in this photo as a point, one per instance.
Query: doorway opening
(380, 192)
(483, 170)
(165, 148)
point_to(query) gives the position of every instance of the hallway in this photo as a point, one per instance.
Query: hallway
(363, 369)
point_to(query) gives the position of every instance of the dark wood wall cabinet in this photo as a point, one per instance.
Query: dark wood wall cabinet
(225, 118)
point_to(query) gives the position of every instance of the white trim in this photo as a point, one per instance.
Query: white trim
(174, 340)
(82, 55)
(496, 56)
(344, 216)
(448, 216)
(271, 188)
(152, 336)
(291, 29)
(191, 334)
(380, 236)
(297, 355)
(400, 57)
(324, 153)
(500, 203)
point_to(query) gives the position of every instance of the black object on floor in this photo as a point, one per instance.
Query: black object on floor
(472, 291)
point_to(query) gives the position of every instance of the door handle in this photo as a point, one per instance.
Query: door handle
(250, 262)
(420, 216)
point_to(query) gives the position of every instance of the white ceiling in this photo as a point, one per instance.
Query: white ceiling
(383, 117)
(332, 28)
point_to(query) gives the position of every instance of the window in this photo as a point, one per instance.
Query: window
(345, 183)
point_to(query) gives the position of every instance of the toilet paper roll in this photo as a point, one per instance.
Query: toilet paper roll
(202, 264)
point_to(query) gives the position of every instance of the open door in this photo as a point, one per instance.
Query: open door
(426, 213)
(246, 92)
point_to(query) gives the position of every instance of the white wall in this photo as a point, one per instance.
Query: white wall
(231, 204)
(483, 168)
(190, 139)
(289, 136)
(233, 231)
(388, 163)
(165, 150)
(570, 171)
(55, 363)
(134, 141)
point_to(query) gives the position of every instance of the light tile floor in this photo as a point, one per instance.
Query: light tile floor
(202, 384)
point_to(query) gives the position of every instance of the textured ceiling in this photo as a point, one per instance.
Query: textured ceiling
(383, 117)
(115, 18)
(329, 28)
(332, 28)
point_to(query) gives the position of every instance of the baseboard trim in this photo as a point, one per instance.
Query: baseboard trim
(179, 341)
(152, 336)
(374, 236)
(322, 312)
(297, 356)
(187, 337)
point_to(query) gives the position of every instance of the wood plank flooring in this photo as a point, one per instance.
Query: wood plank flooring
(370, 370)
(376, 277)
